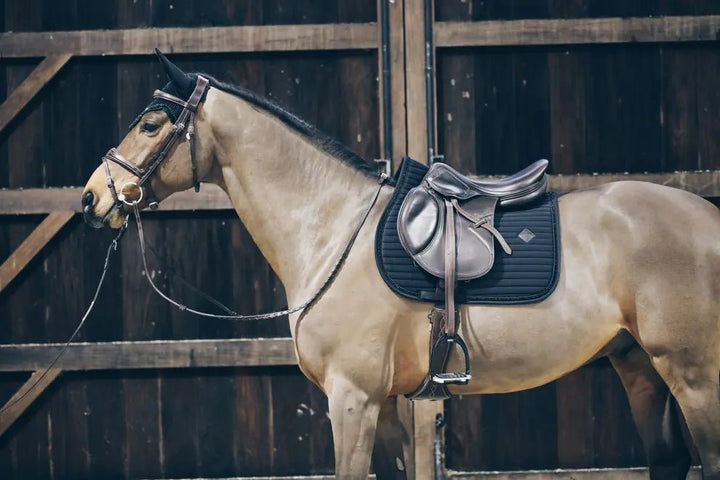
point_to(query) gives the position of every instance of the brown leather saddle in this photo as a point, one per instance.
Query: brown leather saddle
(446, 225)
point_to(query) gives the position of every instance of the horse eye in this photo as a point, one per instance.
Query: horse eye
(149, 127)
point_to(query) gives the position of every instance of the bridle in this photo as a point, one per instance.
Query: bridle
(186, 120)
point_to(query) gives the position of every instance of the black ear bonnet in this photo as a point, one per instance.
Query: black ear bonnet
(181, 85)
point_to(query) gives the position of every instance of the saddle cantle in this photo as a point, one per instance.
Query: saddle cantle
(446, 225)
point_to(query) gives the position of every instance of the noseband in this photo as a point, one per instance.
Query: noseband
(186, 119)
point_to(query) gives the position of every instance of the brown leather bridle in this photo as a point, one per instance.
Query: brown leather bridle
(186, 120)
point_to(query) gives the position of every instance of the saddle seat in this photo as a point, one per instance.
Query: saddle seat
(517, 189)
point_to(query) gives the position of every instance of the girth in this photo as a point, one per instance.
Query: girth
(186, 121)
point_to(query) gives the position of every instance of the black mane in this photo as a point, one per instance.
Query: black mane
(321, 139)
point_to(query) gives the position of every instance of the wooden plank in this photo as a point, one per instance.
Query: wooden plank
(32, 245)
(583, 474)
(397, 81)
(415, 81)
(48, 200)
(23, 398)
(143, 41)
(45, 200)
(423, 413)
(577, 31)
(150, 354)
(27, 90)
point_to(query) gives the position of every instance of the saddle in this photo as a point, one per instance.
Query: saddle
(446, 224)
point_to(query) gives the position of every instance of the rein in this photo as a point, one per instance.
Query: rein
(382, 179)
(111, 248)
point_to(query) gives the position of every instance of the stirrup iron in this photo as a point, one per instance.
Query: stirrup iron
(453, 378)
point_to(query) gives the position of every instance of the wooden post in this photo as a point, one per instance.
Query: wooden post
(423, 412)
(27, 90)
(32, 245)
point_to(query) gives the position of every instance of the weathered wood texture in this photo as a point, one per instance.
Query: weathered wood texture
(587, 474)
(577, 31)
(596, 108)
(153, 423)
(25, 92)
(31, 389)
(149, 354)
(32, 245)
(268, 38)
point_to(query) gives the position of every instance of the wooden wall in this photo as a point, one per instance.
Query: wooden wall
(601, 108)
(594, 108)
(150, 424)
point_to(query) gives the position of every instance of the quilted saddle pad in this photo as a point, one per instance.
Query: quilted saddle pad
(529, 275)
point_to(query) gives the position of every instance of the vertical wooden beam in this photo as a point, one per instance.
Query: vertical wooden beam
(30, 247)
(398, 99)
(424, 412)
(416, 101)
(25, 92)
(25, 396)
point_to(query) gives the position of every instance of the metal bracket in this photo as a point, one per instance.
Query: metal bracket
(386, 164)
(434, 158)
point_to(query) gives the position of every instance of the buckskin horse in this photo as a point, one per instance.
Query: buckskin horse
(639, 261)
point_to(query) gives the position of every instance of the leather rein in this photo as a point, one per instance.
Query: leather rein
(187, 119)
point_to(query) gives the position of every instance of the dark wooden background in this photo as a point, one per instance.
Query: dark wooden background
(589, 109)
(595, 108)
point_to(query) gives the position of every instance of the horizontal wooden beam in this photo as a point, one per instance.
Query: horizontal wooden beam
(264, 38)
(211, 197)
(580, 474)
(25, 92)
(577, 31)
(32, 245)
(44, 200)
(150, 354)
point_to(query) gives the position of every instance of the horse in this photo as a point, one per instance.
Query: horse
(639, 260)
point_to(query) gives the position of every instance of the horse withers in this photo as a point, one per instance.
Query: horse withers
(639, 261)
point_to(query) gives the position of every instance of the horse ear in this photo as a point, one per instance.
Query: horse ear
(182, 81)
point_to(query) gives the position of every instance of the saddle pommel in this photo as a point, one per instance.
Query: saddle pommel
(522, 187)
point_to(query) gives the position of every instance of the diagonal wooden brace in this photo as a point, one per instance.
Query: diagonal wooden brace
(25, 92)
(30, 247)
(25, 396)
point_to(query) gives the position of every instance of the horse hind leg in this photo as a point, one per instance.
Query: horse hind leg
(697, 390)
(656, 418)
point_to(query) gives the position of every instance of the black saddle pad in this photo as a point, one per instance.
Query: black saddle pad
(529, 275)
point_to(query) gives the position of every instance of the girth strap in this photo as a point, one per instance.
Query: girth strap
(450, 265)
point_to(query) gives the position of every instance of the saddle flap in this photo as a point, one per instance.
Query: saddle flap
(418, 220)
(422, 232)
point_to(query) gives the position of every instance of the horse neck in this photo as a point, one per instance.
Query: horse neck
(299, 203)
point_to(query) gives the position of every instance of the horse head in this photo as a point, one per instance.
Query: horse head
(157, 157)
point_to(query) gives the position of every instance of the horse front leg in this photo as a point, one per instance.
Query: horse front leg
(388, 461)
(353, 414)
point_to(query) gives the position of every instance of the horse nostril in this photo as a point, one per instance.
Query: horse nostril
(87, 201)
